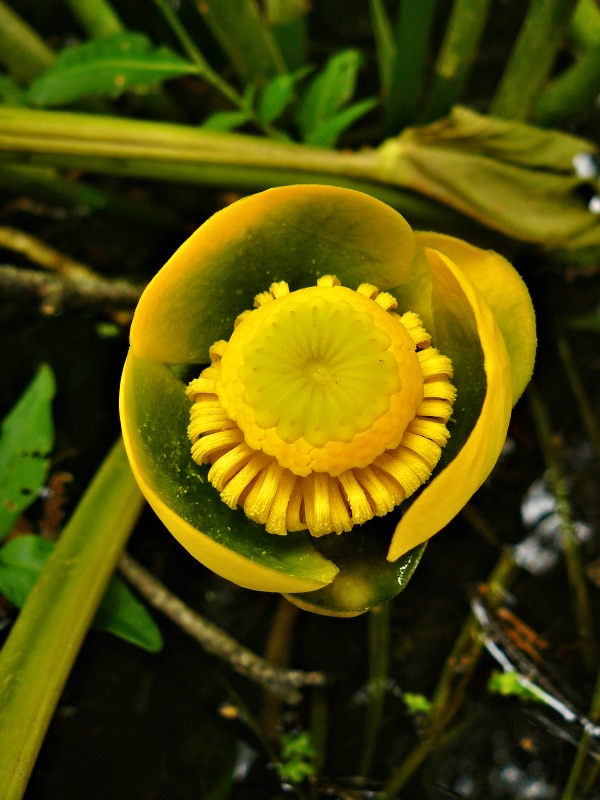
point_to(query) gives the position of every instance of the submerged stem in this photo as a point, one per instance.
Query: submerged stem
(379, 661)
(558, 485)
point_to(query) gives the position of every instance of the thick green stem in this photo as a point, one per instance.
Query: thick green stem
(457, 53)
(22, 51)
(43, 644)
(557, 482)
(379, 662)
(97, 17)
(532, 58)
(163, 151)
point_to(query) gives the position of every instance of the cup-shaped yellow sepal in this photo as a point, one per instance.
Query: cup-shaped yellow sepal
(466, 329)
(506, 294)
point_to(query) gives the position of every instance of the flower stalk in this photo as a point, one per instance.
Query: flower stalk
(427, 172)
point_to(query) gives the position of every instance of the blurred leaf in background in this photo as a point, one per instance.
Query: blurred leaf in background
(27, 438)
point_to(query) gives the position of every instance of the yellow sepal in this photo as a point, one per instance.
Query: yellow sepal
(451, 489)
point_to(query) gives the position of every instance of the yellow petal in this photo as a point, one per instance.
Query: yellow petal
(451, 489)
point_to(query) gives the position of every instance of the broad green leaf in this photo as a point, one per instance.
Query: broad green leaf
(226, 120)
(106, 67)
(329, 91)
(21, 562)
(326, 134)
(27, 436)
(277, 95)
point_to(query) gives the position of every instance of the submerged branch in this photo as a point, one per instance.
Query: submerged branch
(56, 292)
(282, 682)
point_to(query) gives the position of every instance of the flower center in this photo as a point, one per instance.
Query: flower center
(324, 409)
(323, 378)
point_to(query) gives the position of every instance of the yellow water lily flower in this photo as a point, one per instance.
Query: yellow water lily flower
(313, 444)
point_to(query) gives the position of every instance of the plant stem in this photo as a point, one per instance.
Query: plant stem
(165, 151)
(282, 682)
(456, 56)
(584, 27)
(278, 653)
(379, 661)
(207, 72)
(573, 92)
(43, 644)
(576, 787)
(532, 58)
(588, 415)
(22, 51)
(456, 675)
(97, 17)
(558, 485)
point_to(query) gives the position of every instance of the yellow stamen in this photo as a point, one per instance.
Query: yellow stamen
(324, 409)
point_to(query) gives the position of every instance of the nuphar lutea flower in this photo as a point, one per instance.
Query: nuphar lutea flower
(313, 444)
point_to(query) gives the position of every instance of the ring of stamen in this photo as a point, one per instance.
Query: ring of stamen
(324, 409)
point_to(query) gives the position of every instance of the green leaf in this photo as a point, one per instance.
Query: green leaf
(277, 95)
(416, 703)
(21, 562)
(106, 67)
(226, 120)
(26, 438)
(244, 34)
(122, 614)
(384, 42)
(510, 684)
(329, 91)
(326, 134)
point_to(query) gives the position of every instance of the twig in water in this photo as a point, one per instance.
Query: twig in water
(73, 290)
(282, 682)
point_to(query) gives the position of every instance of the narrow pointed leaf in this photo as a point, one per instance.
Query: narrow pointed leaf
(106, 67)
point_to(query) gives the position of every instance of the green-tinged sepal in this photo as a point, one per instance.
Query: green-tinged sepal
(155, 415)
